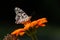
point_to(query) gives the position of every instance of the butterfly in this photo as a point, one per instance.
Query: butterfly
(21, 16)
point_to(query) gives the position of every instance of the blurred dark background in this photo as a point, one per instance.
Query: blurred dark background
(35, 8)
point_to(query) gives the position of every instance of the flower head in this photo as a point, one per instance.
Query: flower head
(28, 25)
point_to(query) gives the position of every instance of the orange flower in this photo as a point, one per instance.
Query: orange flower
(29, 24)
(18, 32)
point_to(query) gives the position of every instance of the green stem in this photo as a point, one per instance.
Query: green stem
(32, 33)
(34, 37)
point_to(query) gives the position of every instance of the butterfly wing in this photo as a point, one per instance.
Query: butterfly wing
(21, 16)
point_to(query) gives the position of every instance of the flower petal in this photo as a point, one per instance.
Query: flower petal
(16, 32)
(27, 26)
(42, 21)
(21, 33)
(33, 23)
